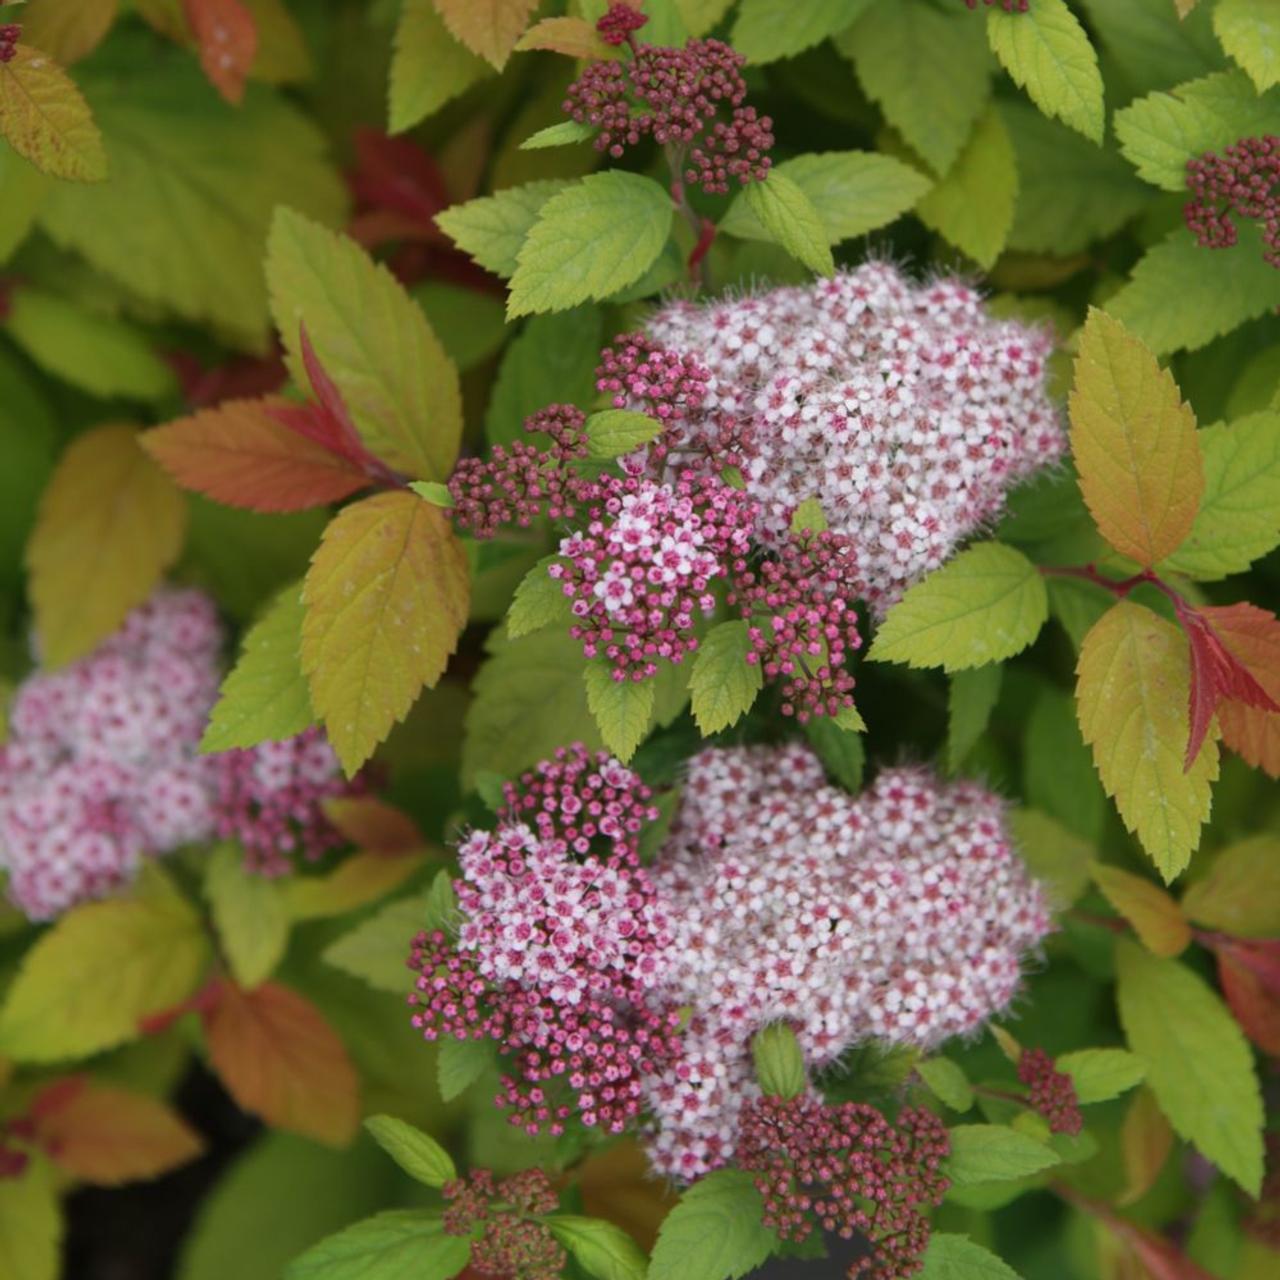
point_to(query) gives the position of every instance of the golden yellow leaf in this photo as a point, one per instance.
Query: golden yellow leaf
(68, 30)
(110, 523)
(487, 27)
(1156, 918)
(1146, 1139)
(1134, 442)
(386, 597)
(361, 879)
(46, 119)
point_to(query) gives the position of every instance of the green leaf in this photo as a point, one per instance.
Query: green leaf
(809, 517)
(1240, 892)
(767, 30)
(614, 432)
(249, 913)
(789, 218)
(24, 190)
(928, 67)
(971, 698)
(428, 68)
(558, 135)
(947, 1082)
(98, 353)
(1149, 46)
(31, 1226)
(1058, 774)
(264, 697)
(1054, 855)
(952, 1257)
(492, 228)
(622, 708)
(994, 1153)
(972, 207)
(1047, 52)
(715, 1232)
(1161, 132)
(372, 339)
(1198, 1063)
(460, 1063)
(1181, 296)
(434, 492)
(853, 192)
(417, 1153)
(1131, 700)
(590, 240)
(400, 1244)
(471, 326)
(1102, 1074)
(45, 118)
(1250, 33)
(779, 1061)
(174, 149)
(984, 605)
(724, 684)
(1239, 517)
(840, 750)
(602, 1250)
(377, 950)
(539, 601)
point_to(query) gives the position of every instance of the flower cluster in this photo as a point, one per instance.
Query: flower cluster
(1244, 182)
(10, 34)
(906, 411)
(847, 1170)
(678, 98)
(901, 915)
(1052, 1092)
(101, 768)
(558, 949)
(512, 1243)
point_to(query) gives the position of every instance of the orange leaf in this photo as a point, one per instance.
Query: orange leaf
(281, 1060)
(574, 37)
(1156, 918)
(241, 455)
(227, 36)
(373, 824)
(1253, 636)
(487, 27)
(105, 1135)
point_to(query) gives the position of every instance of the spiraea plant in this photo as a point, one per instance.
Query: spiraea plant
(639, 639)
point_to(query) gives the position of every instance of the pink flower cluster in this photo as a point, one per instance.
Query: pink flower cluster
(10, 34)
(905, 410)
(1052, 1092)
(846, 1169)
(901, 915)
(677, 98)
(1244, 182)
(500, 1216)
(101, 767)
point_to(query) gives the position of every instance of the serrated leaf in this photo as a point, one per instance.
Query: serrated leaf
(31, 1225)
(398, 1244)
(1198, 1064)
(492, 228)
(614, 432)
(1156, 918)
(46, 120)
(1239, 517)
(487, 27)
(1056, 856)
(355, 882)
(417, 1153)
(622, 708)
(983, 1153)
(601, 1249)
(1250, 33)
(377, 951)
(724, 684)
(558, 135)
(779, 1061)
(1252, 636)
(947, 1082)
(574, 37)
(280, 1059)
(714, 1233)
(972, 207)
(249, 914)
(971, 697)
(853, 192)
(1134, 443)
(1240, 893)
(110, 523)
(1131, 701)
(788, 217)
(590, 240)
(953, 1257)
(538, 602)
(1101, 1074)
(98, 972)
(428, 67)
(928, 67)
(840, 750)
(460, 1063)
(984, 605)
(386, 598)
(767, 30)
(372, 339)
(1047, 52)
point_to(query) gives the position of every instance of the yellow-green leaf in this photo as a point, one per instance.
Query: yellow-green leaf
(1156, 918)
(30, 1225)
(1250, 33)
(1134, 442)
(359, 880)
(377, 951)
(985, 605)
(487, 27)
(723, 683)
(428, 68)
(373, 340)
(789, 218)
(766, 30)
(622, 708)
(1101, 1074)
(1131, 700)
(417, 1153)
(110, 523)
(1240, 893)
(1056, 856)
(46, 119)
(492, 228)
(1198, 1063)
(69, 30)
(386, 599)
(249, 914)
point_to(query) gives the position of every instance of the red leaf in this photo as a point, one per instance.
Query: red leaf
(242, 454)
(1256, 1009)
(227, 37)
(1253, 636)
(240, 378)
(397, 178)
(281, 1060)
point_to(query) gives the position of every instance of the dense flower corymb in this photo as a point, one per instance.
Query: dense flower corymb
(1051, 1092)
(511, 1243)
(1243, 182)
